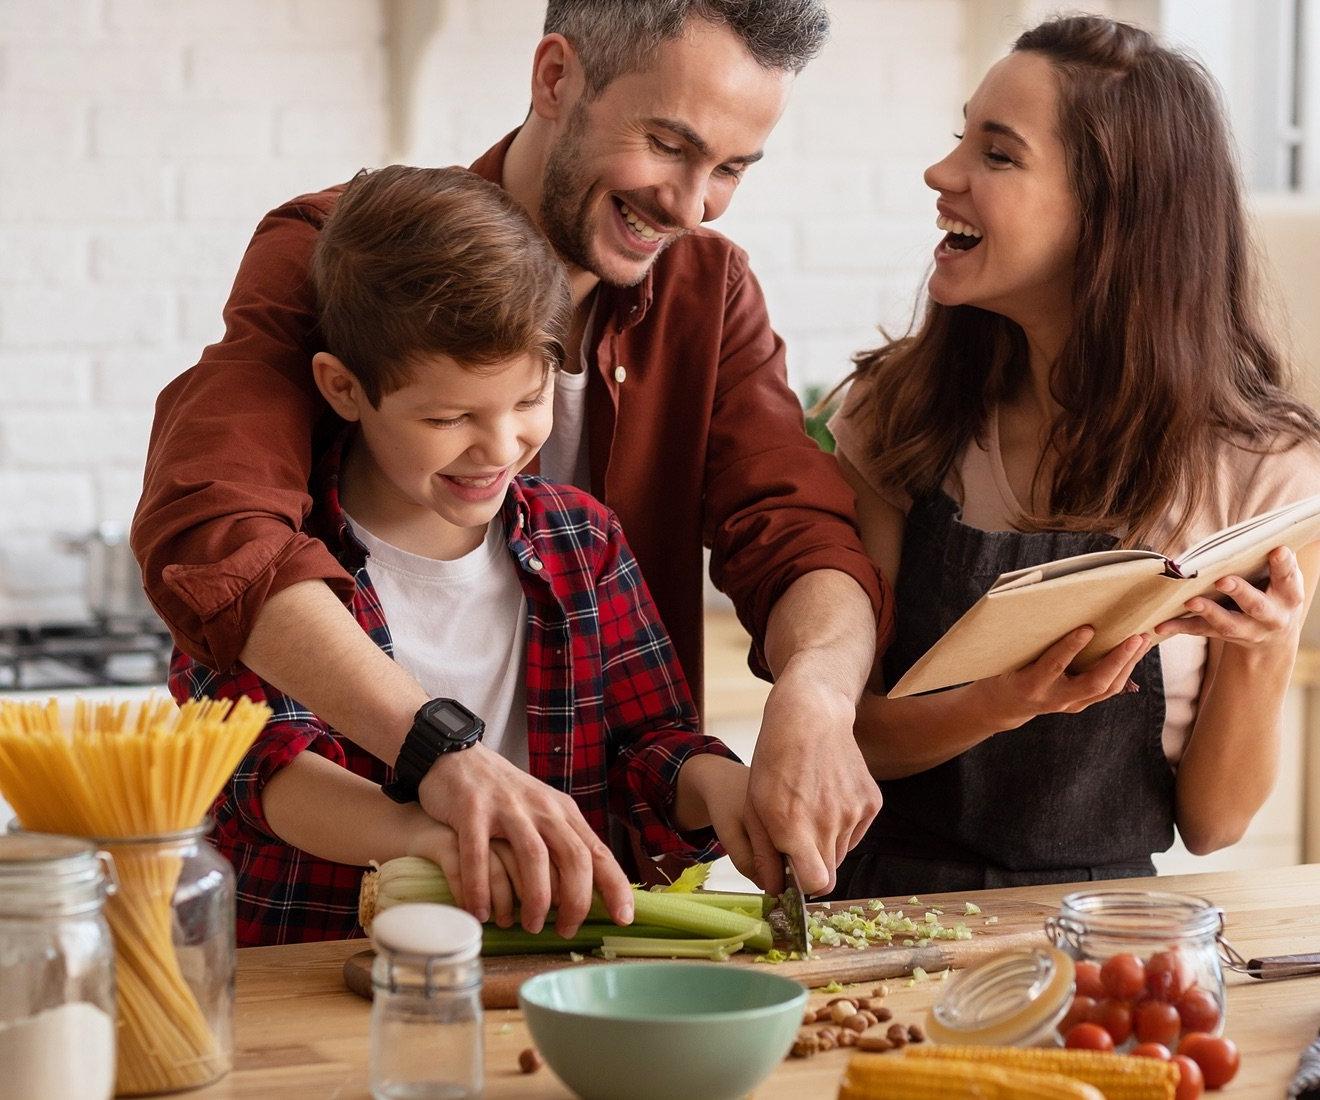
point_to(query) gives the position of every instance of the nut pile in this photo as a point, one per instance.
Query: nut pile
(852, 1022)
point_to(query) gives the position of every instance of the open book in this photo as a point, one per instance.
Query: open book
(1118, 592)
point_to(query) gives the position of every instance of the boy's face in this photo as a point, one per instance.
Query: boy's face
(657, 152)
(449, 441)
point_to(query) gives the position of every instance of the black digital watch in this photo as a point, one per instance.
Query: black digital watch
(439, 726)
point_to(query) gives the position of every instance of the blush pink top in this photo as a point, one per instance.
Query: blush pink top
(1243, 484)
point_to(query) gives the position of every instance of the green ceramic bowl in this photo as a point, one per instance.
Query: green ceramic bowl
(662, 1031)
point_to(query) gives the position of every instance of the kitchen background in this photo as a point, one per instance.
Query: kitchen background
(141, 140)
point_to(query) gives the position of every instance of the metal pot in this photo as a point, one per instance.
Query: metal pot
(114, 581)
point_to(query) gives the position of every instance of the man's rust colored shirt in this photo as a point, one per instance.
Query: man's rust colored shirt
(693, 433)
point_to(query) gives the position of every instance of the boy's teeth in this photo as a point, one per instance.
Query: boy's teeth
(638, 226)
(950, 225)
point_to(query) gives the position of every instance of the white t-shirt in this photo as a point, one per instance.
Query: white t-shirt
(460, 627)
(564, 456)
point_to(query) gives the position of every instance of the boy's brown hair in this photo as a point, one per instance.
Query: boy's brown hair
(424, 260)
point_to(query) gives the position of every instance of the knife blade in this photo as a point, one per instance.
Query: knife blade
(794, 906)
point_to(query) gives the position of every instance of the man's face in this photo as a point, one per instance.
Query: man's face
(657, 152)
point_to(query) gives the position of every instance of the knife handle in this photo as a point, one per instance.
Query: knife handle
(1283, 966)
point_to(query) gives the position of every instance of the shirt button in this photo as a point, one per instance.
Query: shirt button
(559, 748)
(620, 374)
(534, 563)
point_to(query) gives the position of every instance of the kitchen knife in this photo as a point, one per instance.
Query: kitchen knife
(794, 906)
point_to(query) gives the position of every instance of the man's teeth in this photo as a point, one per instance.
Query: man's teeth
(949, 225)
(638, 226)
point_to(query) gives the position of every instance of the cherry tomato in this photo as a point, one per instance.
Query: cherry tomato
(1124, 977)
(1199, 1010)
(1190, 1082)
(1116, 1018)
(1088, 1037)
(1156, 1022)
(1088, 980)
(1168, 975)
(1151, 1050)
(1081, 1012)
(1218, 1057)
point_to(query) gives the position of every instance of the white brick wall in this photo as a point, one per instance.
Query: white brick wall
(144, 138)
(142, 141)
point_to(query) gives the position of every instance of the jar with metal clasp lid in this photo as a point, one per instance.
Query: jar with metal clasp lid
(57, 989)
(426, 1041)
(1147, 960)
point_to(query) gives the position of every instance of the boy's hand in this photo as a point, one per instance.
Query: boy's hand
(712, 790)
(556, 857)
(439, 844)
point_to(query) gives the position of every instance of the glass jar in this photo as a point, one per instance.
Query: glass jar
(1140, 954)
(173, 924)
(57, 989)
(426, 1041)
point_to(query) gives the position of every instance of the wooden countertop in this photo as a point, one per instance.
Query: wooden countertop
(299, 1033)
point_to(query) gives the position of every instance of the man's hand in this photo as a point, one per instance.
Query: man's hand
(556, 856)
(810, 796)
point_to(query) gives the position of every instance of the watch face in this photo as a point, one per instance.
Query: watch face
(454, 721)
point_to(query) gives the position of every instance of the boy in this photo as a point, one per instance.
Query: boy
(443, 309)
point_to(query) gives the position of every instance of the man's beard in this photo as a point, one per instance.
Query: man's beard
(565, 201)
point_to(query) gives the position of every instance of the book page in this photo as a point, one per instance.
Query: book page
(1064, 567)
(1257, 531)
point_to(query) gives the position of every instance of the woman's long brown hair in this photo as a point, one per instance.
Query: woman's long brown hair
(1168, 357)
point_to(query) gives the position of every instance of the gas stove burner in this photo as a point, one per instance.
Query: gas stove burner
(107, 652)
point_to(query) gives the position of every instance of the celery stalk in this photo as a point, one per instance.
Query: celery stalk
(620, 947)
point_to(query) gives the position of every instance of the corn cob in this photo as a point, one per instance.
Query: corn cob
(1118, 1076)
(886, 1077)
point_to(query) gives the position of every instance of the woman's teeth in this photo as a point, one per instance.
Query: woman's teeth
(476, 482)
(952, 225)
(641, 228)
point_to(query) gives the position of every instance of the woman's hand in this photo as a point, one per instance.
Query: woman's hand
(1046, 687)
(439, 843)
(1264, 618)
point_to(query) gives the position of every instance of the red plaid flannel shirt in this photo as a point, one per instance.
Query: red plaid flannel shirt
(614, 740)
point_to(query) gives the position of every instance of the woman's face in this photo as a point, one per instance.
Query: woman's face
(1011, 221)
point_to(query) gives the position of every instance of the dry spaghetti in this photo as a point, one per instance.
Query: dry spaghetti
(121, 775)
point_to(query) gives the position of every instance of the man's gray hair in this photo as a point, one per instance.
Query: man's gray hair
(614, 37)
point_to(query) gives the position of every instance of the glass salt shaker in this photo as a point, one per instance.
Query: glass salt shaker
(57, 986)
(426, 1041)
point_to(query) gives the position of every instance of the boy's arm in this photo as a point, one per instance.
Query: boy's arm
(651, 723)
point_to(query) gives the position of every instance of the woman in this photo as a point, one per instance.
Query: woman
(1091, 371)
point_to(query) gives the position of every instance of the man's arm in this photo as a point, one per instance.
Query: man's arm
(308, 645)
(782, 525)
(218, 528)
(811, 796)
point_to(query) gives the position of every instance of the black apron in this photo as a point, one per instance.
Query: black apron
(1066, 797)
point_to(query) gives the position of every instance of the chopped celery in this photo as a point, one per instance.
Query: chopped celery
(691, 878)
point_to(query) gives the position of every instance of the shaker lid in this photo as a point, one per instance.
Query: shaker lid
(1004, 1000)
(22, 850)
(429, 930)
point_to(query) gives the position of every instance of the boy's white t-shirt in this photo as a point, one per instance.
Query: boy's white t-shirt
(460, 628)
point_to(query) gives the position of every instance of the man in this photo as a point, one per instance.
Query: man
(644, 116)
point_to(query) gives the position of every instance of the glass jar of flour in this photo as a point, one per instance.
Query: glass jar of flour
(57, 989)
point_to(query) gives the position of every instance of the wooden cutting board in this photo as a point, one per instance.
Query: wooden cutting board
(1018, 924)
